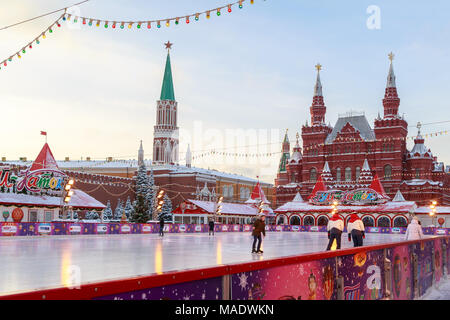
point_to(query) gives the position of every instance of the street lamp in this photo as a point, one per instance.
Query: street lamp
(433, 211)
(218, 210)
(67, 194)
(159, 203)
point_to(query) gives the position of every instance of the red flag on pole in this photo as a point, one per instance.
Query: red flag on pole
(44, 133)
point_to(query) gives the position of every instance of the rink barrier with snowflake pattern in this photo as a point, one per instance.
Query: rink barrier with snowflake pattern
(73, 228)
(395, 271)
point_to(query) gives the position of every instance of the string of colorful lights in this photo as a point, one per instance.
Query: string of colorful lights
(121, 24)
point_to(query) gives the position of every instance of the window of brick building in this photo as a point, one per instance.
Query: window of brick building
(348, 174)
(387, 172)
(313, 175)
(338, 174)
(357, 173)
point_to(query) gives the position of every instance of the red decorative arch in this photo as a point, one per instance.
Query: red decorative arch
(398, 215)
(316, 222)
(295, 215)
(383, 215)
(309, 215)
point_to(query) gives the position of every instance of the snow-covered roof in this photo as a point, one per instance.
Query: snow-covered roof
(438, 166)
(439, 210)
(117, 164)
(358, 122)
(398, 197)
(79, 200)
(298, 198)
(420, 150)
(421, 182)
(227, 208)
(388, 207)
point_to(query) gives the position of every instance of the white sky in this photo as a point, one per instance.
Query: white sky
(94, 90)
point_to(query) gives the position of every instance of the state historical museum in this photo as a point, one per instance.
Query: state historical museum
(350, 154)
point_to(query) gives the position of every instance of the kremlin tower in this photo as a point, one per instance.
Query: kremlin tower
(165, 136)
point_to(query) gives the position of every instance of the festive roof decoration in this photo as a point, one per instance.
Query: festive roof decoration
(398, 197)
(257, 195)
(388, 207)
(320, 186)
(358, 122)
(79, 200)
(167, 92)
(378, 187)
(44, 160)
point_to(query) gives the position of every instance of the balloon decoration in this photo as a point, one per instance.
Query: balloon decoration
(17, 215)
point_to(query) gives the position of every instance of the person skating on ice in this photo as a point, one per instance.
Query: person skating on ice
(355, 230)
(334, 228)
(211, 226)
(414, 230)
(259, 227)
(161, 227)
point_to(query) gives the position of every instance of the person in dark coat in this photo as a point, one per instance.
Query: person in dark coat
(259, 227)
(355, 230)
(211, 227)
(161, 227)
(334, 228)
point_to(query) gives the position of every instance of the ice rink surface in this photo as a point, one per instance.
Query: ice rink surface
(29, 263)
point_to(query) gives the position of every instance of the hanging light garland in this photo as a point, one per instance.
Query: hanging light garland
(37, 40)
(344, 140)
(166, 21)
(106, 23)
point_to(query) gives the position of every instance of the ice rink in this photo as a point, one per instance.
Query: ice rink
(29, 263)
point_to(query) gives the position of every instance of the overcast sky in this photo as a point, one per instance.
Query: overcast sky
(94, 90)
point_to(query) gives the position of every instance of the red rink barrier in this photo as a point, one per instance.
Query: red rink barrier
(403, 270)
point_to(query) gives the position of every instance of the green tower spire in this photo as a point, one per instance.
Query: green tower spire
(167, 92)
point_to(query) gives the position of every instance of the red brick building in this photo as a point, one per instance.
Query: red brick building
(349, 154)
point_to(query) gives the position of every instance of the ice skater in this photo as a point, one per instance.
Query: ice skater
(334, 228)
(211, 226)
(355, 230)
(258, 227)
(414, 230)
(161, 227)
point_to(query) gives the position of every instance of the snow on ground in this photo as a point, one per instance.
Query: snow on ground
(440, 291)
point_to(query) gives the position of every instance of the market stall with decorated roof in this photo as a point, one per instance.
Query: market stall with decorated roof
(38, 193)
(200, 211)
(371, 203)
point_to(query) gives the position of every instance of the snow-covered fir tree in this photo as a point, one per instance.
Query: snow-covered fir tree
(94, 215)
(107, 213)
(142, 180)
(166, 210)
(128, 209)
(141, 204)
(118, 211)
(140, 210)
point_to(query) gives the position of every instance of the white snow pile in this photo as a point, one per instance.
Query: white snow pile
(441, 291)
